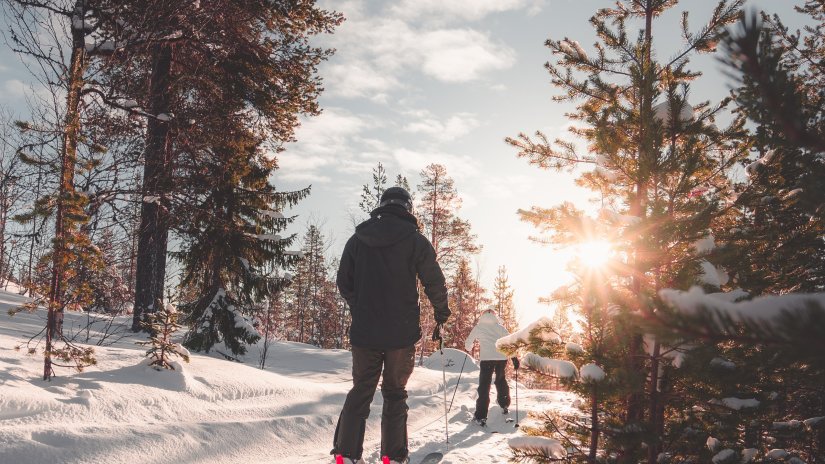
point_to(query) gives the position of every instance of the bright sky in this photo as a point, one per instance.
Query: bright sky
(445, 81)
(432, 81)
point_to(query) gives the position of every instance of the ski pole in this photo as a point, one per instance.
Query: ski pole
(444, 377)
(516, 398)
(456, 384)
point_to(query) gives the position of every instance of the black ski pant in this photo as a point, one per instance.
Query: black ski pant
(484, 380)
(367, 367)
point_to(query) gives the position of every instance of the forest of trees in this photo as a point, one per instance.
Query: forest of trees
(156, 136)
(677, 345)
(144, 174)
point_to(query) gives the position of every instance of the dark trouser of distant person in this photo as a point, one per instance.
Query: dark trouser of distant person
(484, 381)
(366, 370)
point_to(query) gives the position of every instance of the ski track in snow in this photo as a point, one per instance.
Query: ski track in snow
(221, 411)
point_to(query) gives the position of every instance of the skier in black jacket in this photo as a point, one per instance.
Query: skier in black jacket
(377, 277)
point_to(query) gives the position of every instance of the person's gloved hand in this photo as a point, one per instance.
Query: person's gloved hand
(516, 363)
(437, 332)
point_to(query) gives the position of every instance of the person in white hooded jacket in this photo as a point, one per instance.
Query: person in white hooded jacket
(487, 331)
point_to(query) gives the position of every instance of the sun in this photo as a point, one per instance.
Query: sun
(594, 254)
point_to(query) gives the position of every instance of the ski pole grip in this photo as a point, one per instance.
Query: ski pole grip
(437, 333)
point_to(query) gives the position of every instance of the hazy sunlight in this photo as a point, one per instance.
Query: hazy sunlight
(594, 254)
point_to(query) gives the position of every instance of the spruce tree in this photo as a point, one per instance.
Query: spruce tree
(205, 56)
(503, 300)
(314, 309)
(467, 301)
(659, 164)
(774, 243)
(162, 325)
(229, 239)
(371, 194)
(450, 235)
(761, 349)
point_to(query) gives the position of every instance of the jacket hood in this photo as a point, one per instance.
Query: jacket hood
(488, 317)
(387, 226)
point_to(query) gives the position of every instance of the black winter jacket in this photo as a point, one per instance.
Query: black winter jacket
(377, 277)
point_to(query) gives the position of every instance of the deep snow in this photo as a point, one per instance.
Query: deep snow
(220, 411)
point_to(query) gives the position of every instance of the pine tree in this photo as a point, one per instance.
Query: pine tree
(314, 269)
(772, 245)
(342, 316)
(230, 239)
(503, 300)
(467, 301)
(162, 324)
(109, 290)
(371, 194)
(401, 181)
(206, 55)
(450, 235)
(88, 22)
(314, 305)
(660, 165)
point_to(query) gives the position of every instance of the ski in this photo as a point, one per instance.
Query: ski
(432, 458)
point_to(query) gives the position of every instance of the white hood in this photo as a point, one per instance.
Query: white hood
(487, 331)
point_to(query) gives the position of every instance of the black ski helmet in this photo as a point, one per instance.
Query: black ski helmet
(397, 196)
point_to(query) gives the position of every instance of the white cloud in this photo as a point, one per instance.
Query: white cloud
(379, 54)
(326, 133)
(412, 162)
(358, 78)
(302, 177)
(454, 127)
(467, 10)
(14, 88)
(334, 143)
(462, 55)
(322, 141)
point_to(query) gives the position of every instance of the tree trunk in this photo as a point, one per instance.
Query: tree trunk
(68, 157)
(655, 446)
(153, 233)
(635, 409)
(594, 426)
(4, 212)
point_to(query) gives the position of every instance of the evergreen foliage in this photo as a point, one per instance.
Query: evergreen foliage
(467, 300)
(205, 60)
(774, 243)
(659, 165)
(230, 238)
(503, 300)
(371, 194)
(162, 325)
(771, 245)
(450, 235)
(63, 139)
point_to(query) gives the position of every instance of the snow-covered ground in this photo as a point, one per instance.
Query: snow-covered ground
(220, 411)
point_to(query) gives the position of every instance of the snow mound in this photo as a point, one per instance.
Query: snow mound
(453, 359)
